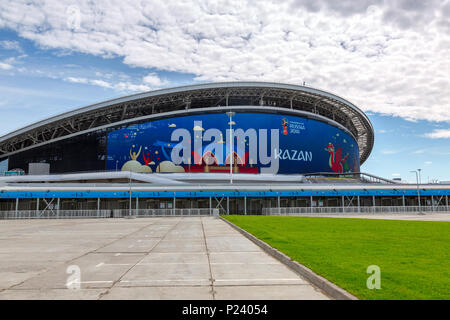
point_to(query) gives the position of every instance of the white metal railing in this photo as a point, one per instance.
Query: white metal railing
(55, 214)
(352, 210)
(116, 213)
(162, 212)
(351, 177)
(120, 213)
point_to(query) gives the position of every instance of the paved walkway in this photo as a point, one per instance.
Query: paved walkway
(152, 258)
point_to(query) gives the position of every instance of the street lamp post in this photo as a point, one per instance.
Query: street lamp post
(418, 189)
(129, 185)
(231, 114)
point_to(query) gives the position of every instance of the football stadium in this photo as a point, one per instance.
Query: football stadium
(216, 148)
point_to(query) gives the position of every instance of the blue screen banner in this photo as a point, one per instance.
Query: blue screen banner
(261, 143)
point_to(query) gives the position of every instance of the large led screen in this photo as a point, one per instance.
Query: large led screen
(262, 143)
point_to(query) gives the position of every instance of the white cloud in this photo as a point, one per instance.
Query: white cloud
(385, 131)
(101, 83)
(390, 151)
(8, 63)
(428, 163)
(128, 86)
(76, 80)
(386, 56)
(123, 86)
(11, 45)
(5, 66)
(153, 80)
(439, 134)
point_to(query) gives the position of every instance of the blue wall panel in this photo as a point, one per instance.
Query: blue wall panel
(204, 194)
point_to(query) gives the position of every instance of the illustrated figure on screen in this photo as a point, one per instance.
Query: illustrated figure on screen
(135, 166)
(147, 160)
(134, 155)
(336, 161)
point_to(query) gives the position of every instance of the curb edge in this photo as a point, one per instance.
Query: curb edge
(328, 287)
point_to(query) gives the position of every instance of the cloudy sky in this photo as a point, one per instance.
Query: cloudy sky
(389, 57)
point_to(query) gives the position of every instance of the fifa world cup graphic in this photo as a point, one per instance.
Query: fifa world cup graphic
(285, 125)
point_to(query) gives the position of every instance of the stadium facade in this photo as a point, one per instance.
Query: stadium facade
(305, 130)
(252, 145)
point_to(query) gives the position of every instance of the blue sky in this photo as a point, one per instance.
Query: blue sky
(61, 56)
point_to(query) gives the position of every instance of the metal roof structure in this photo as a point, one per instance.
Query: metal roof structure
(264, 96)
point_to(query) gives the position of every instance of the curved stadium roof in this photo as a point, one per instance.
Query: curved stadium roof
(273, 96)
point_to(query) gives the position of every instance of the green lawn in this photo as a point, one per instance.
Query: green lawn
(414, 256)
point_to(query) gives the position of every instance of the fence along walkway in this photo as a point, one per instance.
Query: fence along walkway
(350, 210)
(124, 213)
(118, 213)
(48, 214)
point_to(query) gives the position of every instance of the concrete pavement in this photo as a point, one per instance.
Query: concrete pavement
(148, 258)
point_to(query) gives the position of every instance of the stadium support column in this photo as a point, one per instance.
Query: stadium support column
(359, 205)
(98, 207)
(37, 207)
(343, 203)
(432, 203)
(374, 203)
(228, 205)
(17, 207)
(279, 207)
(210, 206)
(245, 205)
(174, 204)
(58, 204)
(446, 201)
(129, 202)
(311, 202)
(403, 200)
(137, 205)
(418, 191)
